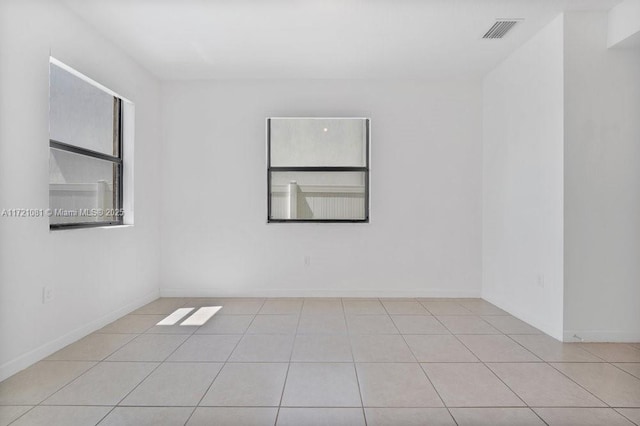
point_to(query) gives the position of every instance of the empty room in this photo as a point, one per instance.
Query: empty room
(320, 212)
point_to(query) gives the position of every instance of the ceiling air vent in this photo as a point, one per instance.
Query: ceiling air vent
(501, 28)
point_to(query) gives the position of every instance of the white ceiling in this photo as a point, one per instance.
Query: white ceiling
(198, 39)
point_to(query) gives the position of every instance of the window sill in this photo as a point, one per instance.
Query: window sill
(90, 227)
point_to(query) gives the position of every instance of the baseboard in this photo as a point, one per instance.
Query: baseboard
(10, 368)
(523, 316)
(568, 335)
(296, 292)
(601, 336)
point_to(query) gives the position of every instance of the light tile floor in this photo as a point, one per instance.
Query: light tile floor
(396, 362)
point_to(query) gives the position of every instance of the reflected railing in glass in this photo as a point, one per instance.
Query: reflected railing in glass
(81, 188)
(318, 195)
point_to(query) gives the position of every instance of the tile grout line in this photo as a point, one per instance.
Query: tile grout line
(368, 362)
(623, 370)
(492, 372)
(469, 313)
(320, 406)
(21, 415)
(578, 384)
(160, 363)
(128, 393)
(582, 387)
(617, 410)
(355, 368)
(549, 364)
(418, 362)
(98, 362)
(524, 348)
(628, 345)
(353, 362)
(511, 336)
(538, 415)
(590, 353)
(59, 389)
(286, 376)
(223, 364)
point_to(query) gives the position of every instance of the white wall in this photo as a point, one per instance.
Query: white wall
(602, 183)
(522, 182)
(424, 237)
(96, 274)
(623, 26)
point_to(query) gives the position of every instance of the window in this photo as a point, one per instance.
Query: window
(85, 152)
(318, 169)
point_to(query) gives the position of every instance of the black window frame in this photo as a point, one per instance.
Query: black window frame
(118, 170)
(366, 169)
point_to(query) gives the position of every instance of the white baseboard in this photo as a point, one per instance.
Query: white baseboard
(523, 316)
(296, 292)
(10, 368)
(601, 336)
(567, 335)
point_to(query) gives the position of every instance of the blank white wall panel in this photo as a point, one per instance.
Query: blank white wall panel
(523, 138)
(424, 235)
(602, 183)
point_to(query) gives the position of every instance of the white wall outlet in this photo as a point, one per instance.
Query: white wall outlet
(541, 281)
(47, 294)
(307, 260)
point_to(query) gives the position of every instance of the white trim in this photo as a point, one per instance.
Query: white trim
(318, 118)
(128, 161)
(601, 336)
(544, 326)
(296, 292)
(23, 361)
(88, 228)
(83, 77)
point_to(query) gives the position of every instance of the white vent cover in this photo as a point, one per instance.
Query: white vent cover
(500, 28)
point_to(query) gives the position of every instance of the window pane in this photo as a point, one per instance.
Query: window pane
(81, 186)
(318, 142)
(318, 195)
(81, 114)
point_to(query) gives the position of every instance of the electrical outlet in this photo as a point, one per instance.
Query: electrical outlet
(307, 260)
(541, 281)
(47, 294)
